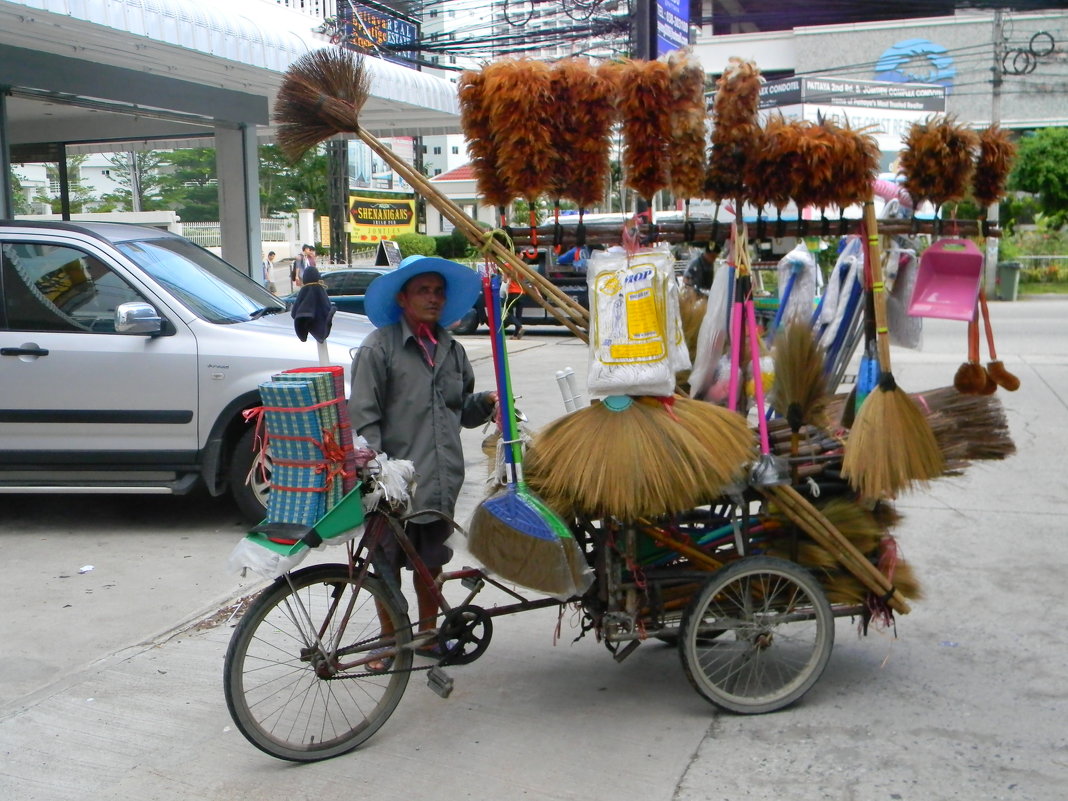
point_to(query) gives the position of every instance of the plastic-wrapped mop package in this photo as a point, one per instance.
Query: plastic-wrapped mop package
(902, 266)
(636, 338)
(797, 286)
(712, 337)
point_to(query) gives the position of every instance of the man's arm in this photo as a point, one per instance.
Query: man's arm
(369, 380)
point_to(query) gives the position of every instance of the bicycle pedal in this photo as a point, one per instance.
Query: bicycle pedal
(472, 583)
(439, 681)
(626, 650)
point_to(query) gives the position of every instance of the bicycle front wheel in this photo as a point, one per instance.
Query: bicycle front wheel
(757, 636)
(290, 684)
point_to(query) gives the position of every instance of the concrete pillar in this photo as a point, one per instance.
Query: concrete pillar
(306, 227)
(237, 165)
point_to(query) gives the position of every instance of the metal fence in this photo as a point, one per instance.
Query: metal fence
(272, 229)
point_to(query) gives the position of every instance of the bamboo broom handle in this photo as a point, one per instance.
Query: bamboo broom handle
(474, 234)
(882, 331)
(823, 531)
(697, 556)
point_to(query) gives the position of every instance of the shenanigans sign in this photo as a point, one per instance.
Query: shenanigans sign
(375, 219)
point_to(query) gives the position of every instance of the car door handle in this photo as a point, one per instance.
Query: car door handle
(23, 352)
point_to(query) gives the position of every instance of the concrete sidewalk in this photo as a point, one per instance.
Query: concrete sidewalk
(966, 703)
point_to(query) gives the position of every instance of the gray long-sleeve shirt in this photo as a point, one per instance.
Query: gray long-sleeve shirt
(409, 410)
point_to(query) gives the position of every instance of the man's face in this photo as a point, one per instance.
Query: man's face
(422, 299)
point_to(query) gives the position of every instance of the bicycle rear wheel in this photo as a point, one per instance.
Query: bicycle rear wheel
(287, 685)
(757, 636)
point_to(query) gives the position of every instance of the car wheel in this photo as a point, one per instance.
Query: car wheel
(468, 324)
(250, 478)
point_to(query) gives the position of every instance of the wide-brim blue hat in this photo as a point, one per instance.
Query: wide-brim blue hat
(462, 286)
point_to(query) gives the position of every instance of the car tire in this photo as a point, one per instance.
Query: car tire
(249, 495)
(468, 324)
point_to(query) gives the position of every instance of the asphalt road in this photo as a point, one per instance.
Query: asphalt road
(110, 679)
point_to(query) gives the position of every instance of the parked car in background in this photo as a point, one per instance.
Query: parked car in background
(345, 286)
(128, 359)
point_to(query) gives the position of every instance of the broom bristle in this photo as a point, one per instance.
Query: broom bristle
(1002, 377)
(970, 378)
(799, 376)
(321, 95)
(636, 463)
(890, 446)
(500, 538)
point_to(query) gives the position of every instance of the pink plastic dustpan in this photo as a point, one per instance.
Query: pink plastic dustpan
(947, 283)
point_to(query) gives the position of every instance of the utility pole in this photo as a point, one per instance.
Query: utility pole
(993, 212)
(135, 181)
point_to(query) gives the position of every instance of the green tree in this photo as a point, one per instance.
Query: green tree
(1042, 169)
(22, 205)
(286, 187)
(143, 168)
(80, 196)
(190, 185)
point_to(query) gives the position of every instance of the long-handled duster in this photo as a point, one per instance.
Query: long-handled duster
(938, 160)
(996, 154)
(475, 123)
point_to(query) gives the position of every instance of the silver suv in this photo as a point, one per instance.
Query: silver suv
(128, 357)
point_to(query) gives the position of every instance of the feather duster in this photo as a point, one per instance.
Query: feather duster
(644, 100)
(582, 133)
(996, 154)
(474, 120)
(688, 122)
(937, 160)
(857, 164)
(518, 99)
(734, 129)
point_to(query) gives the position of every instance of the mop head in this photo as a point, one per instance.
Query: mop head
(520, 540)
(890, 446)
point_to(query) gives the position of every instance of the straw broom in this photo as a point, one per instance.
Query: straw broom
(632, 459)
(890, 445)
(800, 390)
(321, 95)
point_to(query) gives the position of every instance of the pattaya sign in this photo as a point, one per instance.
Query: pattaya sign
(374, 219)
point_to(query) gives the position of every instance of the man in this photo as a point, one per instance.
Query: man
(268, 265)
(412, 391)
(305, 260)
(702, 269)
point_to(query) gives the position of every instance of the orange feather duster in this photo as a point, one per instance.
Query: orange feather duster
(996, 154)
(519, 101)
(475, 123)
(585, 113)
(734, 129)
(688, 124)
(643, 100)
(937, 160)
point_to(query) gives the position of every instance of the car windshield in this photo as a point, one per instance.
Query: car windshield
(212, 289)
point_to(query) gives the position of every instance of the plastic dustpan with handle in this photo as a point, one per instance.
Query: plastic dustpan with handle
(947, 283)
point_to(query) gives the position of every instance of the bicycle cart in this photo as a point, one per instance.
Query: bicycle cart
(322, 657)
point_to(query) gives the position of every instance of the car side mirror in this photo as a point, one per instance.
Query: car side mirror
(137, 318)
